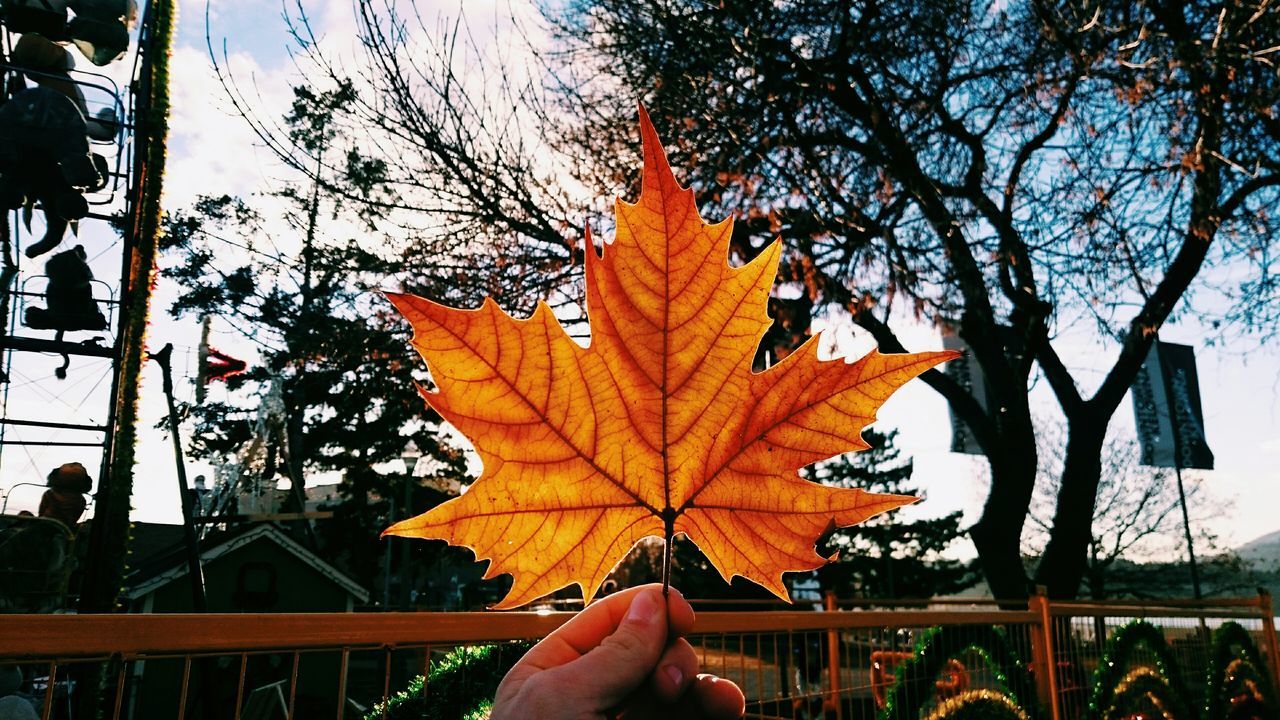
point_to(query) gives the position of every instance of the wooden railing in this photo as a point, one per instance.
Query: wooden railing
(787, 661)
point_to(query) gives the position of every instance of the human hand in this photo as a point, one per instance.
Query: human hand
(624, 656)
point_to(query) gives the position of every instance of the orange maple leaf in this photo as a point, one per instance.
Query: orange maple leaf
(659, 426)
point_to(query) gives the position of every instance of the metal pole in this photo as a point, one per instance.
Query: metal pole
(1269, 632)
(406, 566)
(188, 524)
(1186, 528)
(834, 701)
(1044, 652)
(1171, 401)
(386, 560)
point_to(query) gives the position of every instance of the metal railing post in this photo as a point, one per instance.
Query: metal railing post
(1269, 630)
(1043, 656)
(833, 659)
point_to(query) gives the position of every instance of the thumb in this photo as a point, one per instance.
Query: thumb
(623, 661)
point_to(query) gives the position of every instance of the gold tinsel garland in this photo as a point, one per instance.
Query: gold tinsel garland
(1131, 685)
(952, 707)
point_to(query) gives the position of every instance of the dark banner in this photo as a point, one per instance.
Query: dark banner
(968, 375)
(967, 372)
(1166, 409)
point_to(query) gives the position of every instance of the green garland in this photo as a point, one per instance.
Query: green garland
(461, 684)
(978, 705)
(1144, 692)
(1116, 667)
(938, 645)
(104, 575)
(1234, 666)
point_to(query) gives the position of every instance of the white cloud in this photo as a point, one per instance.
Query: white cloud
(212, 149)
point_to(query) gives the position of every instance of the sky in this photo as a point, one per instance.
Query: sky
(212, 151)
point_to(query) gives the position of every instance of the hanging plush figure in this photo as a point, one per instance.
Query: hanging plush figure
(45, 158)
(48, 65)
(47, 17)
(64, 500)
(69, 295)
(100, 28)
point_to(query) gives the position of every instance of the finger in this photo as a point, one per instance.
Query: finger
(707, 698)
(582, 632)
(677, 669)
(680, 614)
(720, 699)
(621, 662)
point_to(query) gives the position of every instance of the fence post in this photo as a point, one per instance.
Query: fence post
(1269, 630)
(833, 659)
(1043, 657)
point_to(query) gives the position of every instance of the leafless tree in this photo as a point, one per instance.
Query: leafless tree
(442, 154)
(1015, 170)
(1137, 517)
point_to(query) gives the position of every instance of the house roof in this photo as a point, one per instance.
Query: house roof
(149, 542)
(161, 568)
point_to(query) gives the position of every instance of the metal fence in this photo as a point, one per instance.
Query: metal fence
(848, 661)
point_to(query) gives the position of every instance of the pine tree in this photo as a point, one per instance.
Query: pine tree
(888, 556)
(300, 282)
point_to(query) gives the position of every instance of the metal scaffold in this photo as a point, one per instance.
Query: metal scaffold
(81, 159)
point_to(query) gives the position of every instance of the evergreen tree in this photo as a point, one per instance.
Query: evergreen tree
(303, 288)
(888, 557)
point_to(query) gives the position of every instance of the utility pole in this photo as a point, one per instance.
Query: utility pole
(188, 524)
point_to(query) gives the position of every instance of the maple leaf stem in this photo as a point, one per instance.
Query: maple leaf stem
(668, 536)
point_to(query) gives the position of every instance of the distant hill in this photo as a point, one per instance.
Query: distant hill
(1263, 553)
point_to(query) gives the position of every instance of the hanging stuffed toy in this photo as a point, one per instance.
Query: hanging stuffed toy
(45, 158)
(69, 296)
(100, 28)
(64, 500)
(47, 17)
(48, 64)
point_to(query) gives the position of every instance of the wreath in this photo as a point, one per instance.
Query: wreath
(1116, 685)
(937, 647)
(1237, 685)
(1145, 693)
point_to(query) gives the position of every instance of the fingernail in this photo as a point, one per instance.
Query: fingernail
(674, 673)
(643, 607)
